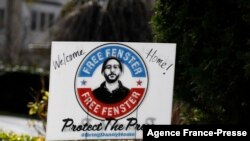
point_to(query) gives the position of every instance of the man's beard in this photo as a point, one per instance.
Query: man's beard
(111, 80)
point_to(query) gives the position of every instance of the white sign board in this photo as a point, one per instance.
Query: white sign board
(109, 90)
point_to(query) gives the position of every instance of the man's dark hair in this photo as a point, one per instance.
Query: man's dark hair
(110, 58)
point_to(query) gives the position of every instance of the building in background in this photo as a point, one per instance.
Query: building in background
(37, 17)
(24, 24)
(40, 19)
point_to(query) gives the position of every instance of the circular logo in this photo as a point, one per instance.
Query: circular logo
(111, 82)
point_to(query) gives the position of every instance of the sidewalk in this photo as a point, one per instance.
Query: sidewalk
(20, 125)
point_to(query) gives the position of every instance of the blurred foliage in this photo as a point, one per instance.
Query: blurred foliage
(213, 55)
(184, 113)
(111, 20)
(40, 106)
(67, 8)
(11, 136)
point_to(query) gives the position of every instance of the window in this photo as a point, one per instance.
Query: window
(1, 18)
(33, 20)
(51, 19)
(42, 21)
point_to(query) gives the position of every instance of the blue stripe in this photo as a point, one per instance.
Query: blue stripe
(99, 55)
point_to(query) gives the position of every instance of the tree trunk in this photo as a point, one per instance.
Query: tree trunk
(13, 30)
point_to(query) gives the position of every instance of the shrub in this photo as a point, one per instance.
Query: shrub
(213, 55)
(11, 136)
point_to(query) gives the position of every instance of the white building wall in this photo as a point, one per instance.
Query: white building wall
(2, 3)
(39, 34)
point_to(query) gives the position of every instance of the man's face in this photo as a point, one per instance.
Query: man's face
(112, 71)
